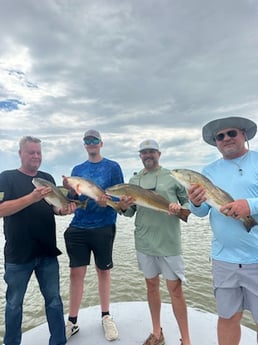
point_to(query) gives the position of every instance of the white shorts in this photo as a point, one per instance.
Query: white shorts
(171, 267)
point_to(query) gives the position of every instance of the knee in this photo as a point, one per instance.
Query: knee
(235, 319)
(175, 289)
(103, 274)
(14, 305)
(152, 284)
(77, 273)
(15, 300)
(54, 301)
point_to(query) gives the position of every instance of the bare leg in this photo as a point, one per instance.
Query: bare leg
(104, 281)
(77, 275)
(154, 301)
(179, 308)
(229, 330)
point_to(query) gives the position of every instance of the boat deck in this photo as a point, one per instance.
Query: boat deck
(134, 325)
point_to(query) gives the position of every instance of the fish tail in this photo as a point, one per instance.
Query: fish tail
(184, 213)
(249, 222)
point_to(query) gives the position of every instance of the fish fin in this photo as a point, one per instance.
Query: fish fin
(80, 204)
(77, 189)
(249, 222)
(183, 214)
(63, 190)
(85, 204)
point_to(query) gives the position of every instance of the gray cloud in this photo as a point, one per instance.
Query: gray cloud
(132, 69)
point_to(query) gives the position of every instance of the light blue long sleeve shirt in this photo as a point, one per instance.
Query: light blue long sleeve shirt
(231, 242)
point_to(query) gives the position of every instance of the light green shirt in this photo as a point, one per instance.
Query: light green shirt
(157, 233)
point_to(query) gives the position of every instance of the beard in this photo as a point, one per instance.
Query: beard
(150, 163)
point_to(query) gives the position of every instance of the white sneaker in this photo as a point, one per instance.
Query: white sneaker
(110, 330)
(71, 329)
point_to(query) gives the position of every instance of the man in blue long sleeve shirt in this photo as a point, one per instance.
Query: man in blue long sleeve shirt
(234, 250)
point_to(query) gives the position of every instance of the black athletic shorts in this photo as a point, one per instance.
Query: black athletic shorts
(81, 242)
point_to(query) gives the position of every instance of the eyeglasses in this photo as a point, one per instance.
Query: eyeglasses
(94, 141)
(232, 134)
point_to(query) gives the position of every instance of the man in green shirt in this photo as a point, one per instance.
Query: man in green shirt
(158, 241)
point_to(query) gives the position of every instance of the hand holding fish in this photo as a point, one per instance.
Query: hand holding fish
(236, 209)
(196, 194)
(67, 209)
(126, 201)
(54, 196)
(102, 200)
(136, 195)
(84, 186)
(40, 193)
(201, 189)
(68, 187)
(174, 208)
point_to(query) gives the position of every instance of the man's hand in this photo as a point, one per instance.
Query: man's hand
(236, 209)
(125, 202)
(71, 207)
(196, 194)
(174, 208)
(40, 193)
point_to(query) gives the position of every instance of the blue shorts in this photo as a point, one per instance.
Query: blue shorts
(80, 243)
(235, 288)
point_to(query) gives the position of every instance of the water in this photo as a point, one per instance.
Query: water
(127, 281)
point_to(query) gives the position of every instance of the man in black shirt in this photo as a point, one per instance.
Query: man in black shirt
(30, 234)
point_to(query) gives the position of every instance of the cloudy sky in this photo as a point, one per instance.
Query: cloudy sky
(133, 69)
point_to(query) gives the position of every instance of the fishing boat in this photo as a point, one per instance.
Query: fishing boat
(134, 325)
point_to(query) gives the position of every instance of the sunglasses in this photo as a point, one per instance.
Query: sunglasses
(232, 134)
(94, 141)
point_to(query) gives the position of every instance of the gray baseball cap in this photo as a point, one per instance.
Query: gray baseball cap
(92, 133)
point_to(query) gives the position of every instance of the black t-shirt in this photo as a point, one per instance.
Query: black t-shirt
(31, 232)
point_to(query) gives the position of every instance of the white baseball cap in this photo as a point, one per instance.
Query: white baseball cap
(149, 144)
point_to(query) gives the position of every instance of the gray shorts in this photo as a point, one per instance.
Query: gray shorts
(171, 267)
(235, 288)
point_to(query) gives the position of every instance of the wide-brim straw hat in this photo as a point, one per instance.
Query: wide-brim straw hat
(213, 127)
